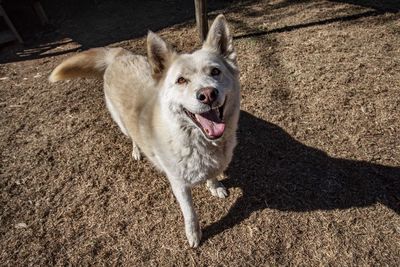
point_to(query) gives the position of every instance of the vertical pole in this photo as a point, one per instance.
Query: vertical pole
(201, 18)
(10, 24)
(40, 12)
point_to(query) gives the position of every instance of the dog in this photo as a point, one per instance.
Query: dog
(180, 110)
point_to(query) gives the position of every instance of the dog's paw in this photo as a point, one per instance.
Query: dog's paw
(217, 189)
(193, 235)
(136, 152)
(220, 192)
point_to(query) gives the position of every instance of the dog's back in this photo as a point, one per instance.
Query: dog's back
(128, 83)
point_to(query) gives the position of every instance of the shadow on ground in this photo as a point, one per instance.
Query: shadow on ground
(381, 5)
(365, 9)
(284, 174)
(312, 24)
(95, 23)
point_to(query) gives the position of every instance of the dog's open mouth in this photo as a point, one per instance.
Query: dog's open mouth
(211, 123)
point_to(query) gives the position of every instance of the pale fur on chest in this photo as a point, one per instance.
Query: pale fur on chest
(199, 161)
(191, 159)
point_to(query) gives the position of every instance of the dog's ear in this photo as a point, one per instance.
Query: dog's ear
(219, 39)
(159, 53)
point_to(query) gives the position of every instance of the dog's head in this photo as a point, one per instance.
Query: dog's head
(201, 88)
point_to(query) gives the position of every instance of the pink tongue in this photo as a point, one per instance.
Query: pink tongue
(211, 123)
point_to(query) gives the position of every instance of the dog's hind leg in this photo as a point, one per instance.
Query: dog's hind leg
(216, 188)
(115, 115)
(135, 151)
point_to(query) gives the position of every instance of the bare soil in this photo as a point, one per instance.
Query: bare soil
(315, 179)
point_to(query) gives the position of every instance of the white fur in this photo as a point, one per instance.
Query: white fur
(115, 115)
(148, 105)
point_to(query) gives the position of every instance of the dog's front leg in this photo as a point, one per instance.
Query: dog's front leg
(183, 194)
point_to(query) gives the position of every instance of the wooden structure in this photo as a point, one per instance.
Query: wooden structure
(201, 18)
(12, 33)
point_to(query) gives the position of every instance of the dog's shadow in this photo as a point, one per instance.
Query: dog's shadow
(277, 172)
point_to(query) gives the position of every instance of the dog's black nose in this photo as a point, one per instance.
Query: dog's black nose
(207, 95)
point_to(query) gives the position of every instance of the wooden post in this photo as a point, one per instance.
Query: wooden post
(40, 12)
(201, 18)
(10, 24)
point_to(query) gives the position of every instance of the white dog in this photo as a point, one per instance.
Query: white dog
(180, 110)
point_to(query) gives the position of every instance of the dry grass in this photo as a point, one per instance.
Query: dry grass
(315, 179)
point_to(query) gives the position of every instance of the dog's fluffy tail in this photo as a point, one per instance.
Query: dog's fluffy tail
(91, 63)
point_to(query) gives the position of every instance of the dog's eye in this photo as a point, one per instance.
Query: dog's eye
(215, 72)
(181, 80)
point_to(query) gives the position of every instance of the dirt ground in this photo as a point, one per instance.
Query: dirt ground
(315, 179)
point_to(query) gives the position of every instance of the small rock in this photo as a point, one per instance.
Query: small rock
(21, 225)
